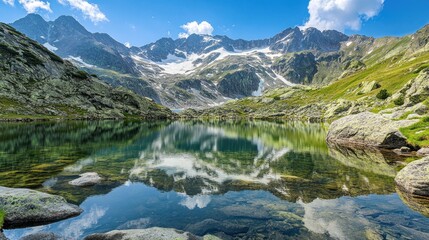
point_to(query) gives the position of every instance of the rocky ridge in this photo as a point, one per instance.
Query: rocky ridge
(36, 83)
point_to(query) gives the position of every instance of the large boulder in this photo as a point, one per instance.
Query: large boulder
(25, 207)
(368, 129)
(155, 233)
(414, 178)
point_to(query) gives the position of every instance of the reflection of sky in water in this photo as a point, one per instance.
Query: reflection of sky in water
(222, 178)
(139, 206)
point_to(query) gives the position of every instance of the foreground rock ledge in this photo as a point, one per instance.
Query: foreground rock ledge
(368, 129)
(414, 178)
(149, 234)
(24, 207)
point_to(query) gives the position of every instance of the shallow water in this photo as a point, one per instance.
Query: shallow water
(236, 180)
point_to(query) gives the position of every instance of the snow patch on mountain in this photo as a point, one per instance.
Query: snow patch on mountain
(50, 47)
(78, 60)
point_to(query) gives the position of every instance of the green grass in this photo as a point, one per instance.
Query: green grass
(2, 214)
(418, 133)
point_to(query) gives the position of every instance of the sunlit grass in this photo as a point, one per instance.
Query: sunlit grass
(418, 133)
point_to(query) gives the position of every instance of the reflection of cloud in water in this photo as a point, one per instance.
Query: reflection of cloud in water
(337, 217)
(78, 166)
(200, 201)
(76, 228)
(135, 224)
(30, 231)
(191, 167)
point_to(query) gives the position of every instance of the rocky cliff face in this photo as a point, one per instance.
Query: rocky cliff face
(35, 82)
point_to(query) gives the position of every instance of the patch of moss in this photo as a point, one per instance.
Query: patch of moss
(418, 133)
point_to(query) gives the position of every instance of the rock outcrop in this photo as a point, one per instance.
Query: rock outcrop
(36, 82)
(25, 207)
(155, 233)
(414, 178)
(368, 129)
(86, 180)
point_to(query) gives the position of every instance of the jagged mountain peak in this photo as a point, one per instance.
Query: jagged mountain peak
(70, 24)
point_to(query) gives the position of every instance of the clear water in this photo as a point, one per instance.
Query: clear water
(236, 180)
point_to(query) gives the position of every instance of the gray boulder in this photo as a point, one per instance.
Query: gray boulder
(24, 207)
(155, 233)
(414, 178)
(423, 152)
(368, 129)
(86, 180)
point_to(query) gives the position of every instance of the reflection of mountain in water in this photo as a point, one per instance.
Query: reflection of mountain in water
(210, 159)
(291, 160)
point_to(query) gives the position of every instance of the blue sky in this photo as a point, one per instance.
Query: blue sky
(143, 21)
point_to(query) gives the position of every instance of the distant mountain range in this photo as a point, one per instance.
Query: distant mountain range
(203, 70)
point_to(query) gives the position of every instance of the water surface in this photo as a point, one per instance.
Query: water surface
(236, 180)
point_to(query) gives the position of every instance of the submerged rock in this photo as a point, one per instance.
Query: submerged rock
(155, 233)
(211, 225)
(368, 129)
(24, 207)
(414, 178)
(86, 180)
(2, 236)
(42, 236)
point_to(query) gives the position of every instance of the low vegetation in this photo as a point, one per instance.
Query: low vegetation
(418, 134)
(2, 215)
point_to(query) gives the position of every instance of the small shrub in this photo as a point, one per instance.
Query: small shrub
(399, 101)
(277, 98)
(383, 94)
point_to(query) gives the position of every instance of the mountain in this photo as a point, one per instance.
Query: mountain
(69, 39)
(389, 76)
(197, 71)
(36, 83)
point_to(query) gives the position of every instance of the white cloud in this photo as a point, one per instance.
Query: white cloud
(341, 14)
(203, 28)
(10, 2)
(31, 6)
(90, 10)
(127, 44)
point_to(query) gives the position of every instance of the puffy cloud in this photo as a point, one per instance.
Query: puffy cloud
(341, 14)
(90, 10)
(31, 6)
(203, 28)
